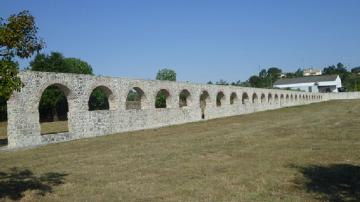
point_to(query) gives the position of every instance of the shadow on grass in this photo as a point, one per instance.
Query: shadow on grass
(335, 182)
(14, 183)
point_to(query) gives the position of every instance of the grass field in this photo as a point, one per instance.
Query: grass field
(305, 153)
(3, 126)
(46, 128)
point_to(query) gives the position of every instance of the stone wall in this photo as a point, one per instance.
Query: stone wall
(23, 115)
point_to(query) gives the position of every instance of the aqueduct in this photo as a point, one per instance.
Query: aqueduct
(185, 102)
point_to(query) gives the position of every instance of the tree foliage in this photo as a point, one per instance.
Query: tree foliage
(222, 82)
(9, 81)
(266, 78)
(18, 36)
(98, 100)
(168, 75)
(56, 62)
(53, 105)
(17, 39)
(350, 79)
(355, 70)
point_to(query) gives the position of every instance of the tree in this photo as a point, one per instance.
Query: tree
(255, 81)
(222, 82)
(263, 73)
(17, 39)
(98, 100)
(166, 74)
(56, 62)
(9, 81)
(51, 100)
(338, 69)
(78, 66)
(355, 70)
(274, 74)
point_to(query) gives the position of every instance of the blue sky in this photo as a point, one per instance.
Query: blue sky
(200, 40)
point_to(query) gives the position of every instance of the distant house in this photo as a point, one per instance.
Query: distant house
(312, 72)
(322, 84)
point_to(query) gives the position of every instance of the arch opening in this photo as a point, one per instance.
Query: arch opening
(220, 99)
(270, 98)
(276, 99)
(184, 98)
(233, 98)
(134, 98)
(255, 98)
(53, 110)
(204, 99)
(3, 121)
(100, 99)
(282, 98)
(162, 99)
(245, 98)
(263, 98)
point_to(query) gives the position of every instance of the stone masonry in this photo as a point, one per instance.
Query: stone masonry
(23, 114)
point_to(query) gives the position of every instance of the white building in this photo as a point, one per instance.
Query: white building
(312, 72)
(322, 84)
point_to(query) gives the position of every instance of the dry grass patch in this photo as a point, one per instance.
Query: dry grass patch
(54, 127)
(305, 153)
(3, 130)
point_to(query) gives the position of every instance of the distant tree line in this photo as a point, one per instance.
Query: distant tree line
(350, 77)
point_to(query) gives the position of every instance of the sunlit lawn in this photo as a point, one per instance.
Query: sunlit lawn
(306, 153)
(46, 128)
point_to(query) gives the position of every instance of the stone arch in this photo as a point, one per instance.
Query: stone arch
(59, 109)
(255, 98)
(296, 97)
(204, 100)
(135, 98)
(101, 98)
(291, 98)
(287, 98)
(245, 98)
(263, 98)
(64, 87)
(162, 99)
(220, 99)
(282, 98)
(270, 98)
(184, 98)
(233, 98)
(276, 98)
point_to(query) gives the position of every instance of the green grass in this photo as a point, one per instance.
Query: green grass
(3, 131)
(46, 128)
(305, 153)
